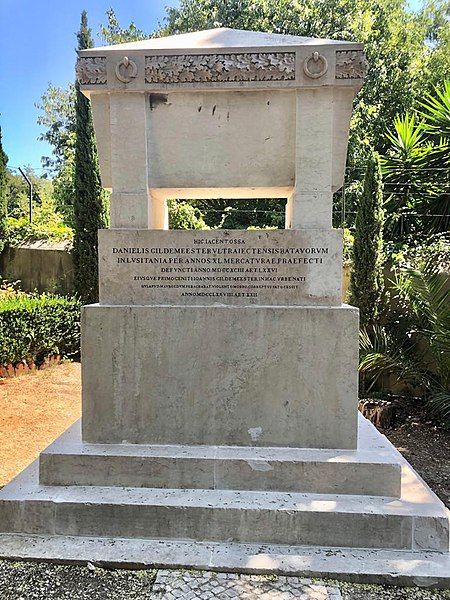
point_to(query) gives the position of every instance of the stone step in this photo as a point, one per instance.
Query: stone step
(394, 567)
(418, 521)
(68, 461)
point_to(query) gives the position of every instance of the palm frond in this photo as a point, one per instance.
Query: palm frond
(384, 353)
(439, 404)
(435, 111)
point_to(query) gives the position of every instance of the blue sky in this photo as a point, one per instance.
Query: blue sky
(37, 41)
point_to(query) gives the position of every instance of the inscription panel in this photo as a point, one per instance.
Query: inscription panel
(231, 267)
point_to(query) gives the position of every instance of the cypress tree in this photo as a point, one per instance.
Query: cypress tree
(366, 282)
(88, 201)
(3, 201)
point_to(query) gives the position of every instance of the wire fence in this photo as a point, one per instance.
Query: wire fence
(344, 202)
(402, 198)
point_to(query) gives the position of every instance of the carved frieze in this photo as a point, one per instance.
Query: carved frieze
(351, 64)
(91, 70)
(210, 68)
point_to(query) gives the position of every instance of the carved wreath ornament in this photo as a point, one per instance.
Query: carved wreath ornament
(91, 70)
(351, 64)
(200, 68)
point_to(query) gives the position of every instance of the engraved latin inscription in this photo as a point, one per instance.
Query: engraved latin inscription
(213, 267)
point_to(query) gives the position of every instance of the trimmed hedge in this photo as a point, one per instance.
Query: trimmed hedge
(33, 327)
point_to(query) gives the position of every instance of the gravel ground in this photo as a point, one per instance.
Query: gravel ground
(43, 581)
(352, 591)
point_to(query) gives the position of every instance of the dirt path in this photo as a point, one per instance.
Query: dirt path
(34, 410)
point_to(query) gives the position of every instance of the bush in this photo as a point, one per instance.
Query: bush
(414, 343)
(35, 326)
(21, 230)
(183, 215)
(348, 243)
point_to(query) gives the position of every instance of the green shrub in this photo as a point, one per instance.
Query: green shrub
(349, 240)
(183, 215)
(3, 199)
(414, 343)
(34, 326)
(21, 230)
(366, 280)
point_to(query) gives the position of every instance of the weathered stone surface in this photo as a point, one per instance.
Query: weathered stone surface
(213, 414)
(265, 116)
(221, 516)
(222, 58)
(220, 375)
(369, 471)
(290, 145)
(233, 267)
(424, 569)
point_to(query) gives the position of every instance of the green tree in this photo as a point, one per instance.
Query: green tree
(366, 282)
(57, 106)
(57, 116)
(3, 198)
(113, 33)
(88, 200)
(183, 215)
(435, 18)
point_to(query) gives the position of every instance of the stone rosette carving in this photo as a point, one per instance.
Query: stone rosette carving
(210, 68)
(91, 70)
(351, 64)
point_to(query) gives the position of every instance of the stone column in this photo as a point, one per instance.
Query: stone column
(310, 206)
(159, 214)
(132, 205)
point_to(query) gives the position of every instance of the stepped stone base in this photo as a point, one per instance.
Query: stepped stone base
(88, 506)
(70, 462)
(424, 569)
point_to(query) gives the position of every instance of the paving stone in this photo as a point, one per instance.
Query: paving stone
(187, 585)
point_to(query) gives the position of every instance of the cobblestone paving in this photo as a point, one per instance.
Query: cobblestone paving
(186, 585)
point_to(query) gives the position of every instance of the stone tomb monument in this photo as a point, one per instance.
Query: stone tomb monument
(220, 427)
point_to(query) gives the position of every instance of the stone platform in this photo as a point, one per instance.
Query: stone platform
(300, 518)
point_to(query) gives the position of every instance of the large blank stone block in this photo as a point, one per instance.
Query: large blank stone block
(220, 375)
